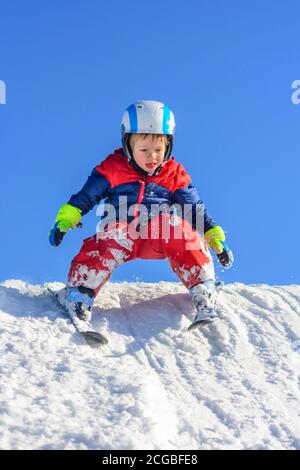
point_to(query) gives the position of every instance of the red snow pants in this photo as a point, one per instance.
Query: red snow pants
(177, 241)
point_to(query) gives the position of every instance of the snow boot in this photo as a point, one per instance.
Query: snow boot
(79, 301)
(204, 297)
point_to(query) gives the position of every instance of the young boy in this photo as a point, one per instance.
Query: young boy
(152, 212)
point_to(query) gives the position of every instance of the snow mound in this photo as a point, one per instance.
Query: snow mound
(232, 385)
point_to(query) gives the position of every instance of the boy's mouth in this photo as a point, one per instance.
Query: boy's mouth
(151, 165)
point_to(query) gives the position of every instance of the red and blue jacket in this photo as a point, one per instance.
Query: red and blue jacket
(115, 177)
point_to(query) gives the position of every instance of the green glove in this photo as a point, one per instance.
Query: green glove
(215, 237)
(68, 217)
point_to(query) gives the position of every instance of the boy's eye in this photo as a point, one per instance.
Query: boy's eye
(156, 150)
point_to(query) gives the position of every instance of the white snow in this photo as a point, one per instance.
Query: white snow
(234, 385)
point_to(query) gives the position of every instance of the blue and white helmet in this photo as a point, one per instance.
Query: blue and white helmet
(147, 117)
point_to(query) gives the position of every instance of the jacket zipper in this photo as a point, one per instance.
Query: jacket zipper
(140, 198)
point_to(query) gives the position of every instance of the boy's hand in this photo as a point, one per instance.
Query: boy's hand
(68, 217)
(56, 236)
(216, 239)
(226, 257)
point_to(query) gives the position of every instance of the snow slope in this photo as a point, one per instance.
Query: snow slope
(234, 385)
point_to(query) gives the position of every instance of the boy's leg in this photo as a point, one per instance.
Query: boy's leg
(190, 259)
(186, 250)
(99, 256)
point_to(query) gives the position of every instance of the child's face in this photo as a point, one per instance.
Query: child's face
(149, 153)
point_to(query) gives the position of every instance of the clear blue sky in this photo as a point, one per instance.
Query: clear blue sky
(225, 68)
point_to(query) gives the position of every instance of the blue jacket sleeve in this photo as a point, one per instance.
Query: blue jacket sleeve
(95, 189)
(193, 209)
